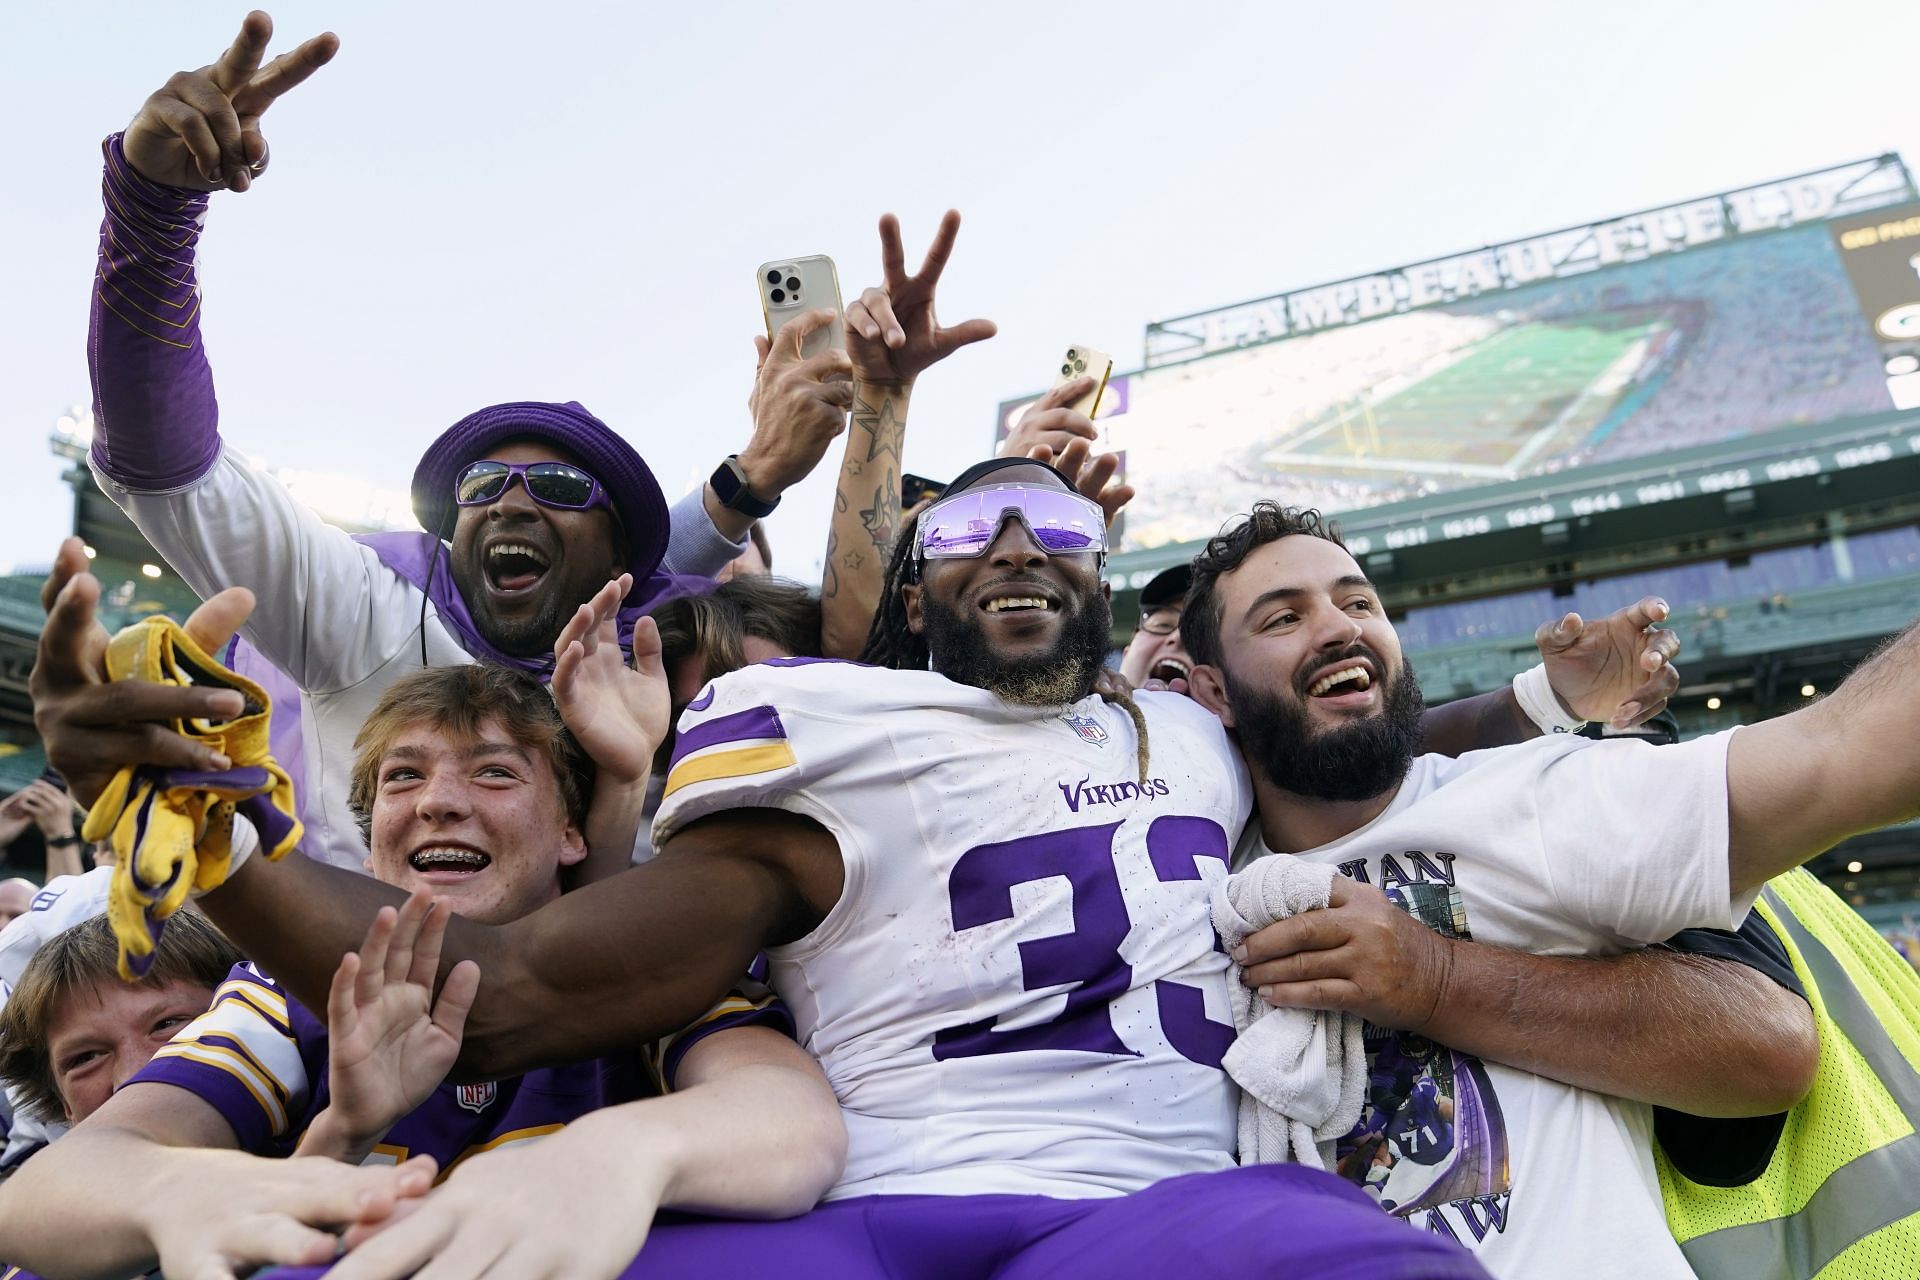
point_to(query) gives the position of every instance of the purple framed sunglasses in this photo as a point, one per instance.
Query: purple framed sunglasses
(551, 484)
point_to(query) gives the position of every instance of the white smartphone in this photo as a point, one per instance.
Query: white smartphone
(791, 287)
(1082, 362)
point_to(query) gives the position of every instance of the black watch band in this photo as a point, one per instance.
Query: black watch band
(730, 486)
(61, 842)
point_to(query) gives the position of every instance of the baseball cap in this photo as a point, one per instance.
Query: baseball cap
(1167, 587)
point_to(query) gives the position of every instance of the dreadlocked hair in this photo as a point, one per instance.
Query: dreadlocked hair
(1114, 692)
(891, 643)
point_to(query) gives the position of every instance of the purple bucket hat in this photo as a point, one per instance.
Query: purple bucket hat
(630, 486)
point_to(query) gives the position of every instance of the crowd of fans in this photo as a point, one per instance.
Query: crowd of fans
(630, 911)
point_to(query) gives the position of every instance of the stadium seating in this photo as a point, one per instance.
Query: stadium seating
(1788, 571)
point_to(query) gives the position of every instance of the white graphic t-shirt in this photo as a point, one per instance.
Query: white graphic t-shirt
(1560, 846)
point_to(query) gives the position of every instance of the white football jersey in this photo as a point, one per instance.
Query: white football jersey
(1019, 991)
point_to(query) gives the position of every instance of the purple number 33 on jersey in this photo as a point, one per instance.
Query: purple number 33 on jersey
(980, 890)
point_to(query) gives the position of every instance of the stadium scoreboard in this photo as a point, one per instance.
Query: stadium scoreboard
(1713, 353)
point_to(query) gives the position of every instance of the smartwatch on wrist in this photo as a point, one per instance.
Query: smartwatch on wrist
(730, 486)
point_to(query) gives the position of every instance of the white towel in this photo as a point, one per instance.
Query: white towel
(1302, 1073)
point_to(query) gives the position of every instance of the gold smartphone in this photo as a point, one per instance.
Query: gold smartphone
(1083, 362)
(791, 287)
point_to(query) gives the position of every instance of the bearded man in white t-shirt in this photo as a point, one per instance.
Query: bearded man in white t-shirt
(1561, 847)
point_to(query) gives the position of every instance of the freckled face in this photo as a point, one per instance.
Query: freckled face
(481, 824)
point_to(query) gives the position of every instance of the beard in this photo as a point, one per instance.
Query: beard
(1354, 761)
(524, 637)
(529, 635)
(1062, 675)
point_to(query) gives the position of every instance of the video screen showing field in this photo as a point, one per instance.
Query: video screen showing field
(1708, 345)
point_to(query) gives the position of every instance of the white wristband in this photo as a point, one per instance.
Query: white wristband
(1536, 697)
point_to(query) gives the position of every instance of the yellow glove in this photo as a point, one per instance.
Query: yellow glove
(172, 829)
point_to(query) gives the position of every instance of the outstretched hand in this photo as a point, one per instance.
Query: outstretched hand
(201, 131)
(389, 1042)
(1049, 422)
(92, 727)
(619, 713)
(1619, 669)
(568, 1205)
(799, 404)
(892, 332)
(225, 1213)
(1092, 476)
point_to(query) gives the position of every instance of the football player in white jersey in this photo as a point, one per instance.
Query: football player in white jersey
(1566, 847)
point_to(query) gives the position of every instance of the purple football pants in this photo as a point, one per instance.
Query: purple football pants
(1279, 1221)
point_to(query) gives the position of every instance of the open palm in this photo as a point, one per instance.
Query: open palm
(389, 1043)
(618, 713)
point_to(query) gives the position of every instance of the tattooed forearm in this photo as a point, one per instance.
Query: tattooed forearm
(882, 519)
(881, 418)
(866, 518)
(830, 583)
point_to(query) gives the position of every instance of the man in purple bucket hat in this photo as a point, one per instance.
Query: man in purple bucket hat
(528, 508)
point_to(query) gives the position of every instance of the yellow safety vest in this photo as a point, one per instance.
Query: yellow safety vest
(1841, 1196)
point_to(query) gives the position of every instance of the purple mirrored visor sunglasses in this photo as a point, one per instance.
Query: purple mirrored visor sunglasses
(966, 524)
(551, 484)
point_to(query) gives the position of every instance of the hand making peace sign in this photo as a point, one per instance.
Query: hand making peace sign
(892, 333)
(202, 131)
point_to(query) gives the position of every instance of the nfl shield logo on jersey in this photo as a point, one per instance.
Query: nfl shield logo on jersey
(475, 1097)
(1089, 729)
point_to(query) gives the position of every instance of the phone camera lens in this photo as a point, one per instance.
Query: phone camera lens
(773, 277)
(1071, 353)
(793, 283)
(1066, 371)
(1079, 366)
(779, 295)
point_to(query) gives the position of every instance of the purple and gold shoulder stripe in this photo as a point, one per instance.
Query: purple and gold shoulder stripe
(241, 1050)
(737, 745)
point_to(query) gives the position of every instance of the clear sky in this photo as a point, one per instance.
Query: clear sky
(491, 201)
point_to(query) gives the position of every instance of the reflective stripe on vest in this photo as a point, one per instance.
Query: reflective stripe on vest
(1863, 1195)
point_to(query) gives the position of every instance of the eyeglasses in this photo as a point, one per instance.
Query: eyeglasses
(1163, 621)
(966, 524)
(551, 484)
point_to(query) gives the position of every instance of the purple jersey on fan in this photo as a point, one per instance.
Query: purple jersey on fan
(261, 1061)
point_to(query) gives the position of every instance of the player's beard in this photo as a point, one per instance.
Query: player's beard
(1354, 761)
(1062, 675)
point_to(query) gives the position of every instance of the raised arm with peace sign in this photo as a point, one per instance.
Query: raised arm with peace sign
(892, 332)
(892, 337)
(202, 130)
